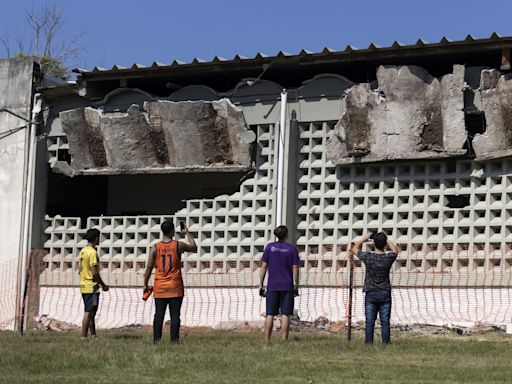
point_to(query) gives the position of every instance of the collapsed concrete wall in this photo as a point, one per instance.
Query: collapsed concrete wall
(494, 99)
(167, 135)
(410, 114)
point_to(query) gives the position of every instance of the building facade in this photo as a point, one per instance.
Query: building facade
(411, 140)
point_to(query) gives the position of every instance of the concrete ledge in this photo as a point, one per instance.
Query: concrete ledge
(164, 170)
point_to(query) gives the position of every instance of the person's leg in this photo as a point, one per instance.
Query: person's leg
(175, 309)
(285, 327)
(85, 325)
(385, 315)
(92, 324)
(95, 302)
(267, 332)
(371, 315)
(272, 309)
(86, 297)
(158, 322)
(286, 304)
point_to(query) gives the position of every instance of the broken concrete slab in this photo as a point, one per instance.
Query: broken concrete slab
(45, 322)
(170, 135)
(84, 138)
(410, 114)
(63, 168)
(117, 140)
(495, 93)
(211, 132)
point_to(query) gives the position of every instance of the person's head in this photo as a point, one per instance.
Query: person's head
(93, 236)
(380, 240)
(281, 233)
(167, 228)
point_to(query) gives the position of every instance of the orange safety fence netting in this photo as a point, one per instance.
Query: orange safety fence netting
(455, 287)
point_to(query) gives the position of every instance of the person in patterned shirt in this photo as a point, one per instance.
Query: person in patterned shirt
(377, 286)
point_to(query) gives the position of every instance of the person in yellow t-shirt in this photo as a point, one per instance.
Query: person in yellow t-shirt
(90, 281)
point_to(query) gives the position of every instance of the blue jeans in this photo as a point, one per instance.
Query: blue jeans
(378, 301)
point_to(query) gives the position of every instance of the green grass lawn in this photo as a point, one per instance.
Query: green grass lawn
(129, 357)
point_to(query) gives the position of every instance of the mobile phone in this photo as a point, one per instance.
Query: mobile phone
(182, 226)
(146, 294)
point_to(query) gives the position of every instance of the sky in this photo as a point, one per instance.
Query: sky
(127, 32)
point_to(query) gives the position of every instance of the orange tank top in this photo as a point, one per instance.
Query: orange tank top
(168, 280)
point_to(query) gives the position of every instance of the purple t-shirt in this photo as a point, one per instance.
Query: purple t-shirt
(280, 257)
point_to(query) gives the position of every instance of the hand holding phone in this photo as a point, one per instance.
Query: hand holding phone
(147, 291)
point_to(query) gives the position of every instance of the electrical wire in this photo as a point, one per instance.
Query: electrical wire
(10, 132)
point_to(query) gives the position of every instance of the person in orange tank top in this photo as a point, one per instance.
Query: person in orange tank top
(168, 288)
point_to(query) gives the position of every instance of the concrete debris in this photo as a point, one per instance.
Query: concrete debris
(324, 325)
(226, 325)
(168, 134)
(493, 98)
(255, 323)
(239, 326)
(449, 329)
(46, 323)
(63, 168)
(410, 114)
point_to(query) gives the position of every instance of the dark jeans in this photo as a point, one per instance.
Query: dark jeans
(378, 301)
(160, 308)
(279, 299)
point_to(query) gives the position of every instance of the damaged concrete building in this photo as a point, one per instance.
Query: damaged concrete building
(414, 140)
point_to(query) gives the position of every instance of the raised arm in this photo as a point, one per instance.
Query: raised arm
(357, 244)
(190, 245)
(392, 247)
(149, 268)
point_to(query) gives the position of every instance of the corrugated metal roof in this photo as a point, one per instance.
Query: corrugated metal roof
(349, 50)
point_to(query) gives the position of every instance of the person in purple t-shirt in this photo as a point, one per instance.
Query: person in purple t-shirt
(282, 261)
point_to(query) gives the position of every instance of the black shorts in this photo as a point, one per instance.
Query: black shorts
(91, 301)
(280, 299)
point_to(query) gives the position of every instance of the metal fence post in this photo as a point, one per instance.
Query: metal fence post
(350, 292)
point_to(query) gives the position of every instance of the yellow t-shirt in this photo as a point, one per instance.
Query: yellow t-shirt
(88, 258)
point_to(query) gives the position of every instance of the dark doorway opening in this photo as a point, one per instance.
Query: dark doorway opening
(475, 124)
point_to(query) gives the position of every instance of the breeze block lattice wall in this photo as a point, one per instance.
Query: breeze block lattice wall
(439, 245)
(123, 250)
(230, 230)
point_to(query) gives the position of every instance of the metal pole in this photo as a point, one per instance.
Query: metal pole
(350, 292)
(280, 160)
(27, 206)
(25, 293)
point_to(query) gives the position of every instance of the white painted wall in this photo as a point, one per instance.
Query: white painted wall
(15, 95)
